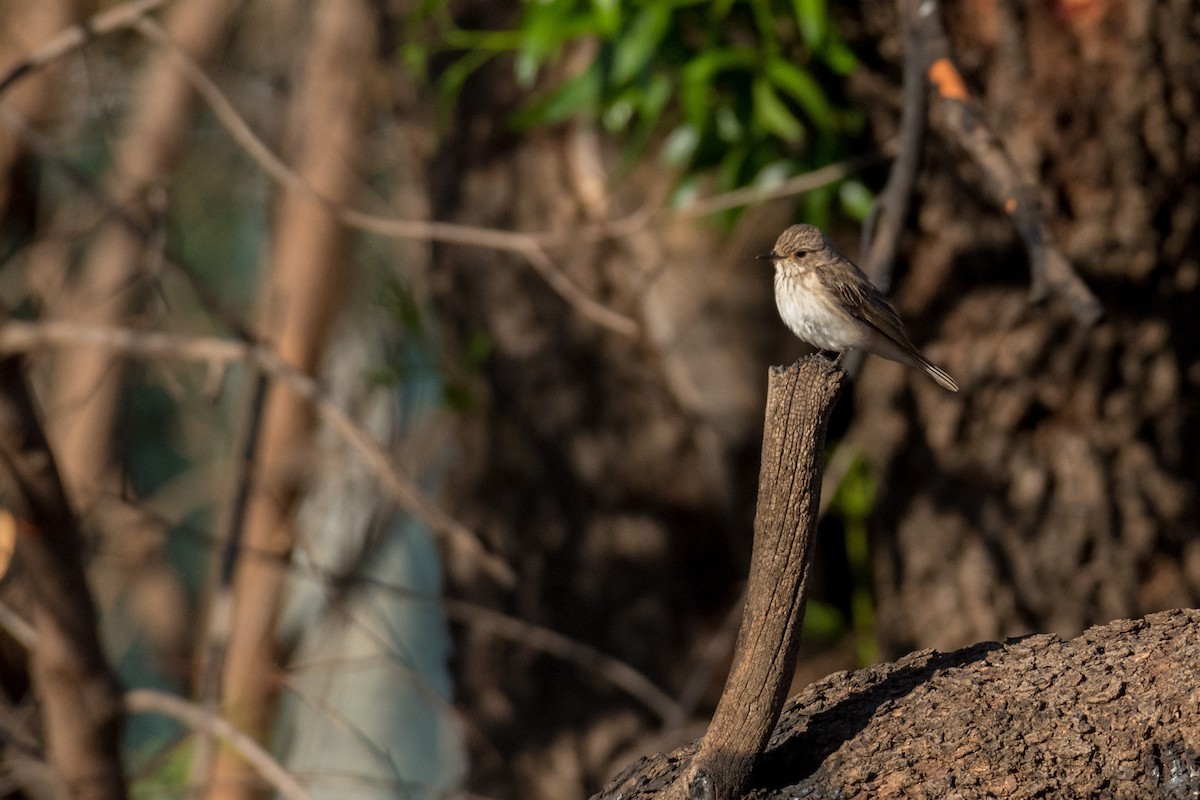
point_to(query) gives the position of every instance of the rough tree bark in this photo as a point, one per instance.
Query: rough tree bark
(1112, 713)
(800, 399)
(1064, 472)
(79, 694)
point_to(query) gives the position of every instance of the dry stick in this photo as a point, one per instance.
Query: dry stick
(220, 612)
(70, 40)
(959, 114)
(80, 696)
(25, 336)
(141, 701)
(799, 401)
(144, 701)
(881, 233)
(521, 243)
(542, 639)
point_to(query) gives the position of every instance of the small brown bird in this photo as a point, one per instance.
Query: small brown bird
(828, 302)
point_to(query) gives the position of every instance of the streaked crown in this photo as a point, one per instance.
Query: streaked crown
(799, 239)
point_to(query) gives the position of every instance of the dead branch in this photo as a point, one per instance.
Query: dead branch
(520, 243)
(961, 119)
(1111, 713)
(799, 401)
(881, 232)
(76, 36)
(80, 697)
(149, 701)
(20, 337)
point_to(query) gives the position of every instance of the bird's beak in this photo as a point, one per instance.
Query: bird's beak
(768, 256)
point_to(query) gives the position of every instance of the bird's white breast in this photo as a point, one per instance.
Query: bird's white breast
(806, 308)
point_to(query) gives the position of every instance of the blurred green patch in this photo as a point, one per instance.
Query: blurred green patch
(854, 502)
(730, 89)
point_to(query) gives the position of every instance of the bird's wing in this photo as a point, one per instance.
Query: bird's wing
(868, 305)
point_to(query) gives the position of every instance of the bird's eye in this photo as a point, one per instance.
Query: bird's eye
(801, 253)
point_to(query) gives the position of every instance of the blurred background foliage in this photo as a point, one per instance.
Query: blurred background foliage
(735, 92)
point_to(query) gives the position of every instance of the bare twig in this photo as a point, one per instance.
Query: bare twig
(735, 198)
(881, 233)
(520, 243)
(544, 640)
(959, 114)
(144, 701)
(66, 42)
(26, 336)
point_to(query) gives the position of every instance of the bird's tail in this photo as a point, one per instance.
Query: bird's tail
(939, 376)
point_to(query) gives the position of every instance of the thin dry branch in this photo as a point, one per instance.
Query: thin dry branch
(962, 119)
(881, 233)
(544, 640)
(18, 337)
(149, 701)
(521, 243)
(71, 39)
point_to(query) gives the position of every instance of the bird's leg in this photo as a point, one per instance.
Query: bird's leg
(841, 354)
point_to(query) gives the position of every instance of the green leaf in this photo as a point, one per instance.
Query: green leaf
(729, 171)
(764, 21)
(634, 50)
(804, 90)
(855, 497)
(839, 58)
(812, 16)
(856, 199)
(607, 17)
(697, 92)
(729, 126)
(775, 117)
(579, 93)
(721, 9)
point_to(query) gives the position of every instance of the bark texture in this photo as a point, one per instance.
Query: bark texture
(1057, 489)
(800, 399)
(1112, 713)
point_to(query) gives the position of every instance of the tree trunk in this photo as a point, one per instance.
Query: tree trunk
(77, 688)
(1112, 713)
(301, 294)
(1055, 490)
(112, 280)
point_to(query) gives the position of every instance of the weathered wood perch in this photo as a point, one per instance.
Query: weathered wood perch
(1114, 713)
(799, 400)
